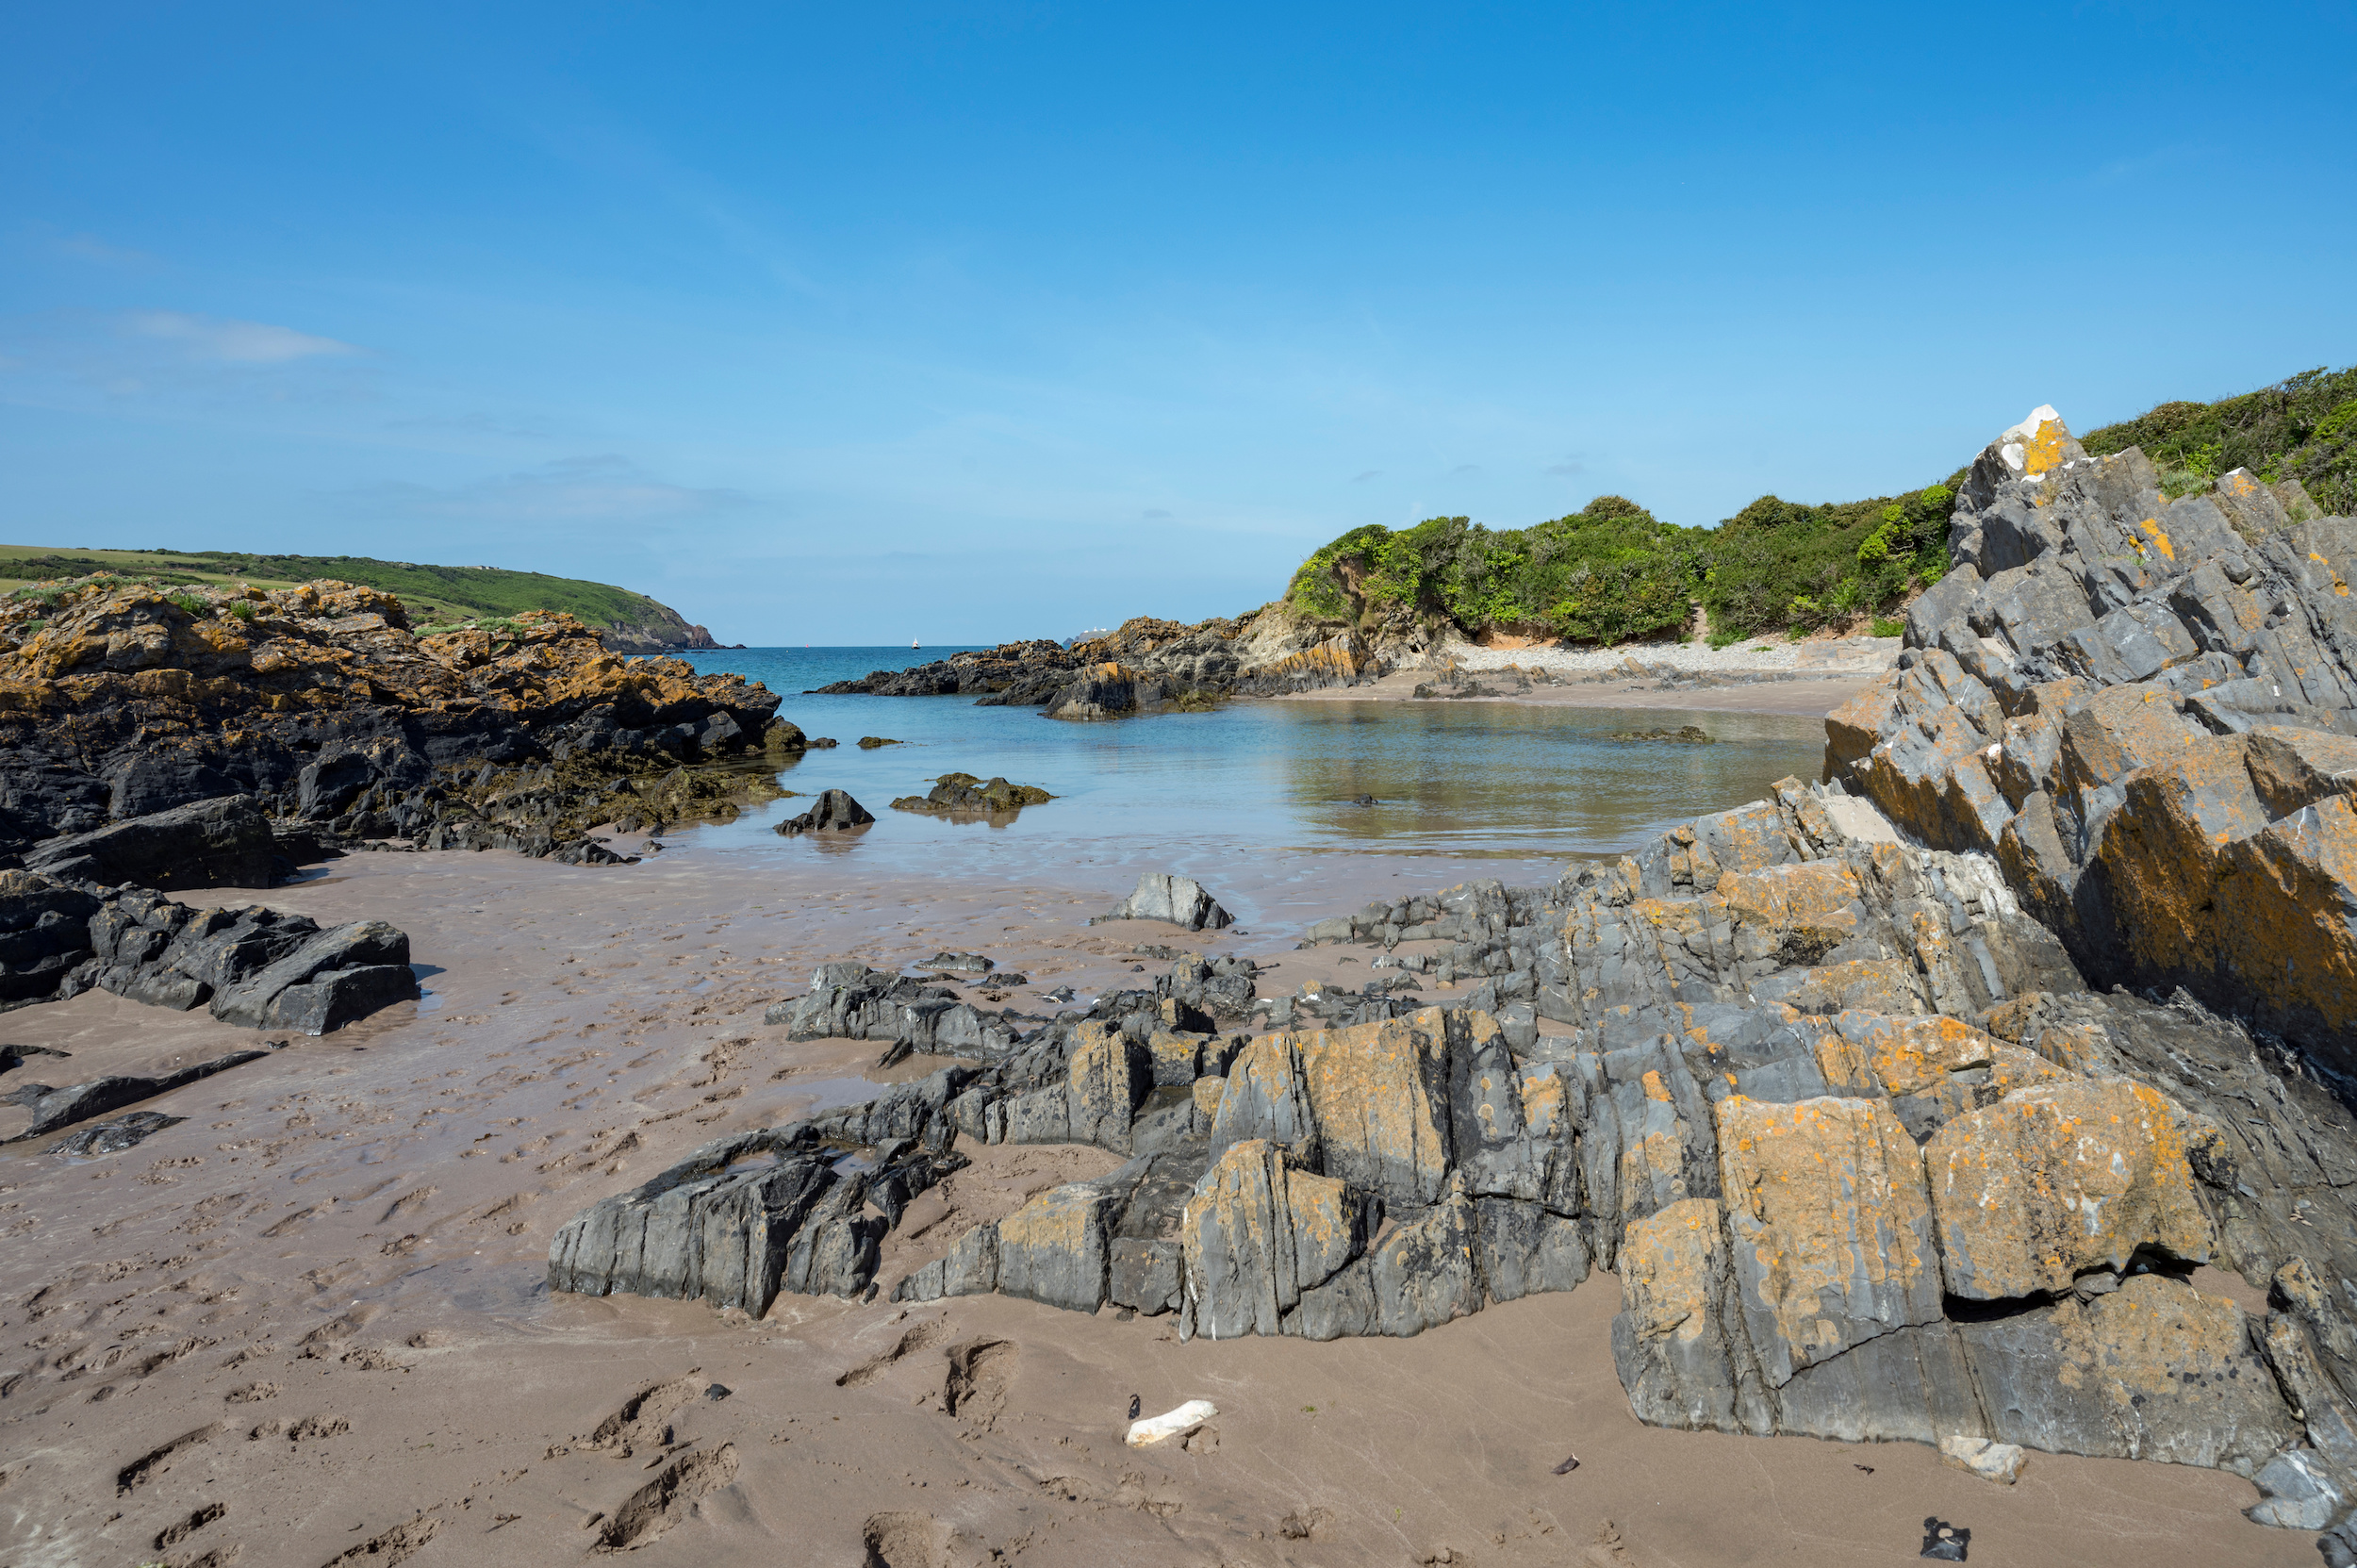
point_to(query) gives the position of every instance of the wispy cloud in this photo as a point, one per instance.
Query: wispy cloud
(1567, 470)
(1362, 478)
(1463, 468)
(89, 247)
(229, 340)
(1155, 515)
(601, 489)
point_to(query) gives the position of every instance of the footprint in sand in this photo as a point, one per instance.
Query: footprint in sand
(663, 1502)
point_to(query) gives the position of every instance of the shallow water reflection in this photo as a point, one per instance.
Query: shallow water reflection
(1261, 783)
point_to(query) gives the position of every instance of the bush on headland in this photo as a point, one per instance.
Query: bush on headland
(1613, 571)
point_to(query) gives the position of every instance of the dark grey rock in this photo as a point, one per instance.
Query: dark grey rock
(113, 1137)
(836, 812)
(81, 1101)
(218, 843)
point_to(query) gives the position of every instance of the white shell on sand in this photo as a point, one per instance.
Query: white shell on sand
(1186, 1418)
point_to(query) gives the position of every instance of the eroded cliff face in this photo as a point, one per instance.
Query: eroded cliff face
(120, 699)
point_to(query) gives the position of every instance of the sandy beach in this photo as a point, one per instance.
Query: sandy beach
(310, 1325)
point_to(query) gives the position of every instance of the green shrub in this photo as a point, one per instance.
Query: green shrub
(243, 608)
(1885, 627)
(1607, 572)
(189, 604)
(2305, 427)
(1779, 563)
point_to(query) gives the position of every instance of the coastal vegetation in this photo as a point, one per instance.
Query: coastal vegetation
(1613, 571)
(436, 597)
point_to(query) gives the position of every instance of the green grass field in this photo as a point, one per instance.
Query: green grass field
(435, 595)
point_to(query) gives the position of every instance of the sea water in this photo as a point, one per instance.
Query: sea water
(1254, 798)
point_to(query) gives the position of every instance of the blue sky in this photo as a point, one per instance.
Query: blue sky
(855, 323)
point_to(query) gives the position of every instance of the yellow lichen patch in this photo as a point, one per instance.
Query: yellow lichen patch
(2151, 527)
(1829, 1223)
(1177, 1055)
(2038, 444)
(1819, 894)
(1371, 1089)
(2058, 1178)
(1654, 1089)
(1545, 1102)
(1667, 1264)
(1900, 1056)
(1207, 1094)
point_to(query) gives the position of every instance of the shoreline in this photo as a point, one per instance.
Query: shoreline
(342, 1251)
(1798, 698)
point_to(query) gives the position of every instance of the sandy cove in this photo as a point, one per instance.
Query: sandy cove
(319, 1305)
(1812, 677)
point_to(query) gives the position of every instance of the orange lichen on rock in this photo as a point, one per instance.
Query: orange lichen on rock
(2057, 1179)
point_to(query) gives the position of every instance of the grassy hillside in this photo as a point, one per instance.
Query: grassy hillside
(1614, 572)
(2303, 428)
(435, 595)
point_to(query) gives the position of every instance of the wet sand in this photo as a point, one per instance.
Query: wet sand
(329, 1282)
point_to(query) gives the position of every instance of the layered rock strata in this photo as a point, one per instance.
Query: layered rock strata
(2143, 708)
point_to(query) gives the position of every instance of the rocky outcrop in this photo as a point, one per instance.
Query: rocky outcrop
(1178, 901)
(120, 700)
(659, 629)
(1150, 666)
(225, 842)
(253, 967)
(747, 1216)
(2141, 707)
(962, 795)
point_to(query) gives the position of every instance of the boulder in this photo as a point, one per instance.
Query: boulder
(330, 978)
(1179, 900)
(2058, 1179)
(836, 812)
(1110, 1076)
(1057, 1249)
(218, 843)
(1828, 1227)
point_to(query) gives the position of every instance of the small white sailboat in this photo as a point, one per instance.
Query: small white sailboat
(912, 645)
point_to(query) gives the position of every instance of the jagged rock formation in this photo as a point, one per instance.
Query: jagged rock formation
(256, 968)
(120, 700)
(1151, 666)
(2141, 708)
(1849, 1086)
(836, 812)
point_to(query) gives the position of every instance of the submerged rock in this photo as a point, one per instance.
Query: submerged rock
(955, 794)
